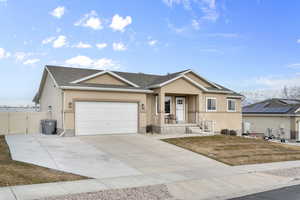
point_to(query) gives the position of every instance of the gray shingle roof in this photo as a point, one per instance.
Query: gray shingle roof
(273, 106)
(65, 75)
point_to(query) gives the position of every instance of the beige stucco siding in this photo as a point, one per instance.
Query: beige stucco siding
(196, 105)
(260, 124)
(71, 96)
(221, 102)
(151, 110)
(52, 96)
(198, 80)
(180, 86)
(106, 79)
(232, 121)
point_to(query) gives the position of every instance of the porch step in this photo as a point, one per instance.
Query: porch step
(197, 130)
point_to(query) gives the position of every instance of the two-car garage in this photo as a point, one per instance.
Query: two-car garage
(96, 118)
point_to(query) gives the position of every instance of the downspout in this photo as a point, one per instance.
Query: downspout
(63, 113)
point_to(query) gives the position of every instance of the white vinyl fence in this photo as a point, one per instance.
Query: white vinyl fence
(21, 122)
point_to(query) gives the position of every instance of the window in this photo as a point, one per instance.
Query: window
(179, 101)
(211, 104)
(231, 105)
(168, 103)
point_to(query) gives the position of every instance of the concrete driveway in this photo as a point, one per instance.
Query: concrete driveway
(69, 154)
(107, 156)
(126, 161)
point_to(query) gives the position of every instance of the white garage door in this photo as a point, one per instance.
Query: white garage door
(94, 118)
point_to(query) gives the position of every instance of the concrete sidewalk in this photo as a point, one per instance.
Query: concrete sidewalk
(180, 187)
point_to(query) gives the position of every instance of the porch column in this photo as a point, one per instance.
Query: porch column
(161, 108)
(198, 107)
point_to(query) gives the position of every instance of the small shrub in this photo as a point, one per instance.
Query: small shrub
(232, 133)
(225, 132)
(149, 129)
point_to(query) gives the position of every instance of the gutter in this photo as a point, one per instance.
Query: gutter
(105, 89)
(270, 115)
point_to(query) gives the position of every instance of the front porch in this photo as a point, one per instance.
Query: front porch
(180, 113)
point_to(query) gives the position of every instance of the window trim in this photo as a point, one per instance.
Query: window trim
(228, 105)
(214, 98)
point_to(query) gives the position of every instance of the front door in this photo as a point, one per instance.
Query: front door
(180, 109)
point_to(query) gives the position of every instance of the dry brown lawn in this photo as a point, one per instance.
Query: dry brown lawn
(234, 150)
(19, 173)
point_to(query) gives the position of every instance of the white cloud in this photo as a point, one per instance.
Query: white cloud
(101, 45)
(271, 81)
(294, 66)
(20, 56)
(48, 40)
(195, 24)
(90, 20)
(171, 3)
(178, 30)
(225, 35)
(84, 61)
(152, 42)
(58, 12)
(80, 60)
(4, 53)
(60, 41)
(119, 46)
(202, 10)
(104, 63)
(31, 61)
(118, 23)
(82, 45)
(278, 82)
(298, 41)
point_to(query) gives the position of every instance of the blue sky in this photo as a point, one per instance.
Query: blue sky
(245, 45)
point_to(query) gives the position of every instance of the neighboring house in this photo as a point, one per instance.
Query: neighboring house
(273, 117)
(88, 101)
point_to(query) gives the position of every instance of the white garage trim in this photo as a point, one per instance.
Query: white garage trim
(106, 117)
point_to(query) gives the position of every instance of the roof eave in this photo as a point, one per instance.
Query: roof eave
(105, 89)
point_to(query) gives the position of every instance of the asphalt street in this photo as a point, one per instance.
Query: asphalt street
(286, 193)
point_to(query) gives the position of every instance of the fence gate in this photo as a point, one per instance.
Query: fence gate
(20, 122)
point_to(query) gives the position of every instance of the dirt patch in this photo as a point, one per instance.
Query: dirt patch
(234, 150)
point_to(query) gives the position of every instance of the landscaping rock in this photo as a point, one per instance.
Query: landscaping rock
(156, 192)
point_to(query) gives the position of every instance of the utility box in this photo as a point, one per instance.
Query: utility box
(48, 127)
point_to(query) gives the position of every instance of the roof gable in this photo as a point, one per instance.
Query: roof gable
(106, 79)
(182, 86)
(200, 80)
(93, 76)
